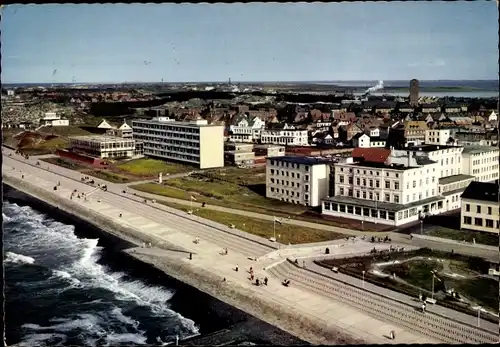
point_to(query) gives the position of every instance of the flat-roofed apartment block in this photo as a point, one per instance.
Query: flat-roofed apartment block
(480, 207)
(103, 146)
(239, 153)
(451, 188)
(269, 150)
(481, 162)
(195, 142)
(298, 180)
(384, 187)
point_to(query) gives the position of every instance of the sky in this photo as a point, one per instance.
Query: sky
(105, 43)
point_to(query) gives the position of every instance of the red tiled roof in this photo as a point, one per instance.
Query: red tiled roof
(372, 155)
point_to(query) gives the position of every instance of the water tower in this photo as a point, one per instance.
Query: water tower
(414, 92)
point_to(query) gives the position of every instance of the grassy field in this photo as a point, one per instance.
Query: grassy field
(152, 167)
(106, 175)
(249, 177)
(219, 193)
(65, 163)
(288, 233)
(460, 235)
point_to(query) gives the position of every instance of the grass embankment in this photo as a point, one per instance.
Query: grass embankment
(152, 167)
(287, 233)
(209, 188)
(461, 235)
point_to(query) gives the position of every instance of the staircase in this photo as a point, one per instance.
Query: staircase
(383, 308)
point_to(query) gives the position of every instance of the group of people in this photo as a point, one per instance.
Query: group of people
(75, 192)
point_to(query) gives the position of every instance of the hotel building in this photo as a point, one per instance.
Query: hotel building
(384, 187)
(298, 180)
(194, 142)
(480, 207)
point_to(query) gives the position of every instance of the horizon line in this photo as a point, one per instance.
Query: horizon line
(266, 81)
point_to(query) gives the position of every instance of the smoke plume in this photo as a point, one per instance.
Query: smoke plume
(380, 85)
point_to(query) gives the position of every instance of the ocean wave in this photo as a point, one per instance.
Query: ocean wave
(42, 340)
(11, 257)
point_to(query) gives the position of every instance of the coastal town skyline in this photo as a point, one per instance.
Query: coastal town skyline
(359, 41)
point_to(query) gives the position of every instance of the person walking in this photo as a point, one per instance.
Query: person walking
(190, 256)
(236, 268)
(392, 335)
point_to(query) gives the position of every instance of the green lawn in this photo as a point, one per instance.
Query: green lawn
(65, 163)
(285, 233)
(152, 167)
(106, 175)
(247, 176)
(417, 273)
(219, 193)
(460, 235)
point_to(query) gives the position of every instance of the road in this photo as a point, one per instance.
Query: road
(179, 228)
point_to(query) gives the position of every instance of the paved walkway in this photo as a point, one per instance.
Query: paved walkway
(181, 231)
(466, 249)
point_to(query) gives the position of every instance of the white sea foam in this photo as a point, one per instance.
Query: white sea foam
(6, 218)
(11, 257)
(31, 340)
(114, 338)
(75, 261)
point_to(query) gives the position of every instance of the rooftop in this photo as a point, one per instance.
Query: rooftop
(479, 149)
(455, 178)
(168, 121)
(399, 167)
(100, 138)
(483, 191)
(377, 155)
(302, 160)
(430, 148)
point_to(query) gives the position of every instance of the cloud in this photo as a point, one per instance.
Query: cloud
(432, 63)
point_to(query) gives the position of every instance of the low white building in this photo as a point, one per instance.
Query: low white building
(365, 141)
(440, 137)
(246, 129)
(492, 117)
(297, 180)
(451, 188)
(480, 207)
(52, 119)
(481, 162)
(286, 135)
(103, 146)
(394, 190)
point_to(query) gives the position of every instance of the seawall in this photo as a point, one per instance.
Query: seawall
(265, 308)
(219, 322)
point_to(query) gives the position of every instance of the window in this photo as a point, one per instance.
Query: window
(298, 175)
(364, 181)
(335, 207)
(341, 179)
(478, 222)
(391, 215)
(489, 210)
(349, 192)
(341, 191)
(350, 209)
(342, 208)
(396, 199)
(387, 184)
(478, 209)
(358, 181)
(306, 187)
(357, 193)
(489, 223)
(357, 210)
(307, 168)
(387, 198)
(371, 183)
(366, 211)
(374, 213)
(377, 184)
(396, 185)
(306, 177)
(272, 171)
(364, 195)
(467, 207)
(371, 196)
(306, 197)
(414, 184)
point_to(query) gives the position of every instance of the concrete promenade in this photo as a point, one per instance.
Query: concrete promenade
(177, 228)
(326, 313)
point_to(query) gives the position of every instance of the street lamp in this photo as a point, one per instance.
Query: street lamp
(363, 272)
(421, 227)
(433, 276)
(479, 316)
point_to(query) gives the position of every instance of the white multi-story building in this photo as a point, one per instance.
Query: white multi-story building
(440, 137)
(480, 207)
(396, 190)
(195, 142)
(481, 162)
(449, 158)
(246, 129)
(287, 135)
(298, 180)
(102, 146)
(52, 119)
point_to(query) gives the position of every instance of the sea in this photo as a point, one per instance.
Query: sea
(64, 286)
